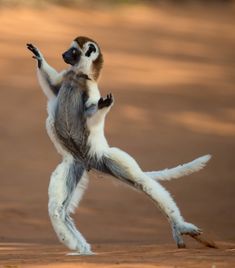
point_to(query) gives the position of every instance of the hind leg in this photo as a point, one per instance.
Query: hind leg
(123, 166)
(65, 190)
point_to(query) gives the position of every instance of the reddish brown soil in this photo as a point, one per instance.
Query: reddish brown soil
(172, 74)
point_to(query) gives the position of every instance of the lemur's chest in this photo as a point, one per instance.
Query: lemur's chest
(70, 120)
(70, 109)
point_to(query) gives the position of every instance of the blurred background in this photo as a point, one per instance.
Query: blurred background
(171, 68)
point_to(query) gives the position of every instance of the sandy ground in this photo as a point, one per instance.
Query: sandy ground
(172, 72)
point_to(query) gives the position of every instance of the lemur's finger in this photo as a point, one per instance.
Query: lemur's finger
(100, 100)
(33, 49)
(30, 47)
(111, 98)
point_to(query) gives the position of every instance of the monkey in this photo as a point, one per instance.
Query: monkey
(75, 124)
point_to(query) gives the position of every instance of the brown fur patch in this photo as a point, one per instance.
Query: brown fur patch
(98, 63)
(77, 80)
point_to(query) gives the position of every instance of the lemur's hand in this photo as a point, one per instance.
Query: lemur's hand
(37, 54)
(108, 101)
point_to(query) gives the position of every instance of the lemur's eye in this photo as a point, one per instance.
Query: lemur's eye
(74, 52)
(90, 50)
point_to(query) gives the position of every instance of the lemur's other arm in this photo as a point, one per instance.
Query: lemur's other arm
(96, 112)
(49, 79)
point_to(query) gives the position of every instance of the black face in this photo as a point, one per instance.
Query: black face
(71, 56)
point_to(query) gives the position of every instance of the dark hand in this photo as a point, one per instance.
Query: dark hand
(36, 53)
(105, 102)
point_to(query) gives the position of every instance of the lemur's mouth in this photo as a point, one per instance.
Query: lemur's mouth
(71, 56)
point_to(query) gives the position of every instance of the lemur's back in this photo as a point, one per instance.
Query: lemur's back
(70, 121)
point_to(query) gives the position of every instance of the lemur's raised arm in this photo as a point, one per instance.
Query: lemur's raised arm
(49, 79)
(83, 55)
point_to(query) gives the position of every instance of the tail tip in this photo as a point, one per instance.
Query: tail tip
(206, 157)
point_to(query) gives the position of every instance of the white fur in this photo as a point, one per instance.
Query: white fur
(96, 140)
(74, 44)
(93, 55)
(85, 65)
(181, 170)
(53, 75)
(44, 85)
(79, 191)
(71, 237)
(149, 186)
(93, 93)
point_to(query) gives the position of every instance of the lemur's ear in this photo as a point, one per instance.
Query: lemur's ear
(92, 51)
(91, 48)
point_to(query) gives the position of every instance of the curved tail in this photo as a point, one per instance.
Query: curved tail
(181, 170)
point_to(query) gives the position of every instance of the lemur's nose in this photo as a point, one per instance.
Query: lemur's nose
(65, 55)
(68, 57)
(71, 56)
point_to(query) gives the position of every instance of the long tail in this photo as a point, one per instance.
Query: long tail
(181, 170)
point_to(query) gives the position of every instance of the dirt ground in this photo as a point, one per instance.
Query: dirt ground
(172, 72)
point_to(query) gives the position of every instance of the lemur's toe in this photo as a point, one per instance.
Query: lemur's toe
(189, 229)
(177, 237)
(181, 245)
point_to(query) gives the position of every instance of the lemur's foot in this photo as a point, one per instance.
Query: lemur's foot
(184, 228)
(177, 237)
(83, 249)
(105, 102)
(190, 229)
(36, 53)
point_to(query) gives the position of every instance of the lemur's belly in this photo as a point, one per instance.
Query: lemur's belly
(70, 122)
(71, 131)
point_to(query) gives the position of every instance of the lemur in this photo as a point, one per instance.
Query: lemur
(75, 124)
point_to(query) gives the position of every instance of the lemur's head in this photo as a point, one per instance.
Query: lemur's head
(85, 56)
